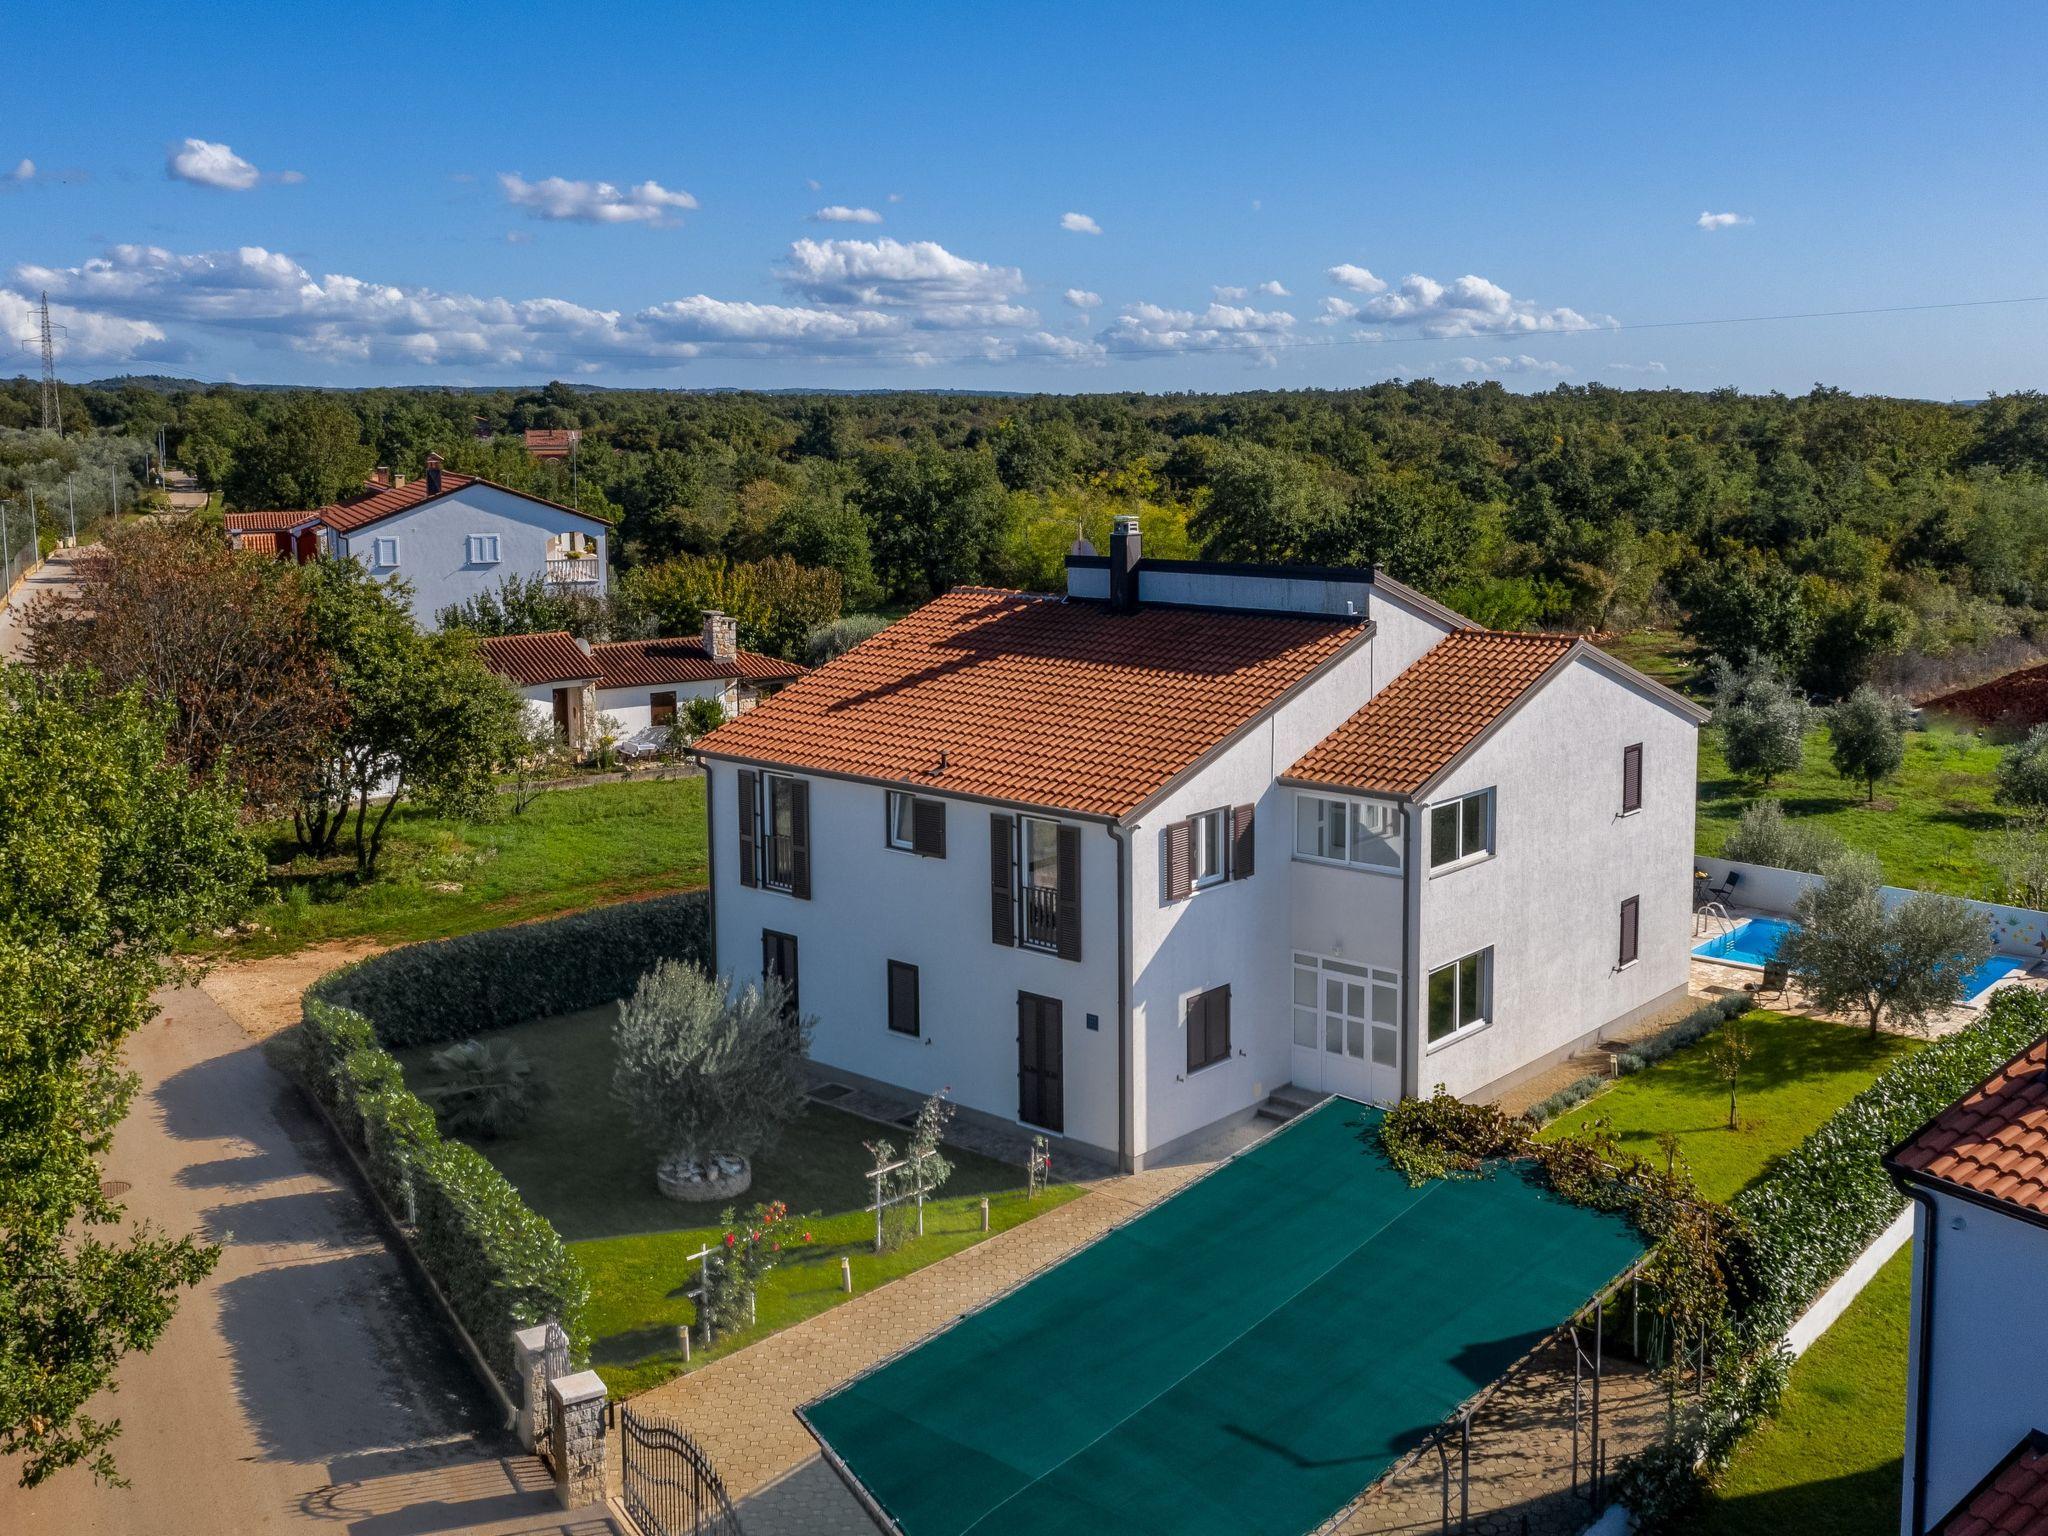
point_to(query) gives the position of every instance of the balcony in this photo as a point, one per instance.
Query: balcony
(1041, 917)
(573, 573)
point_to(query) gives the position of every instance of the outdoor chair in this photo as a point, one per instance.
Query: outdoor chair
(1777, 974)
(1727, 887)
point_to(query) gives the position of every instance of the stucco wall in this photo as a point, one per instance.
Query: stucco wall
(633, 709)
(433, 547)
(1989, 1383)
(871, 904)
(1549, 899)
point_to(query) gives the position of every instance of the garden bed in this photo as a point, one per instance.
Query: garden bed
(577, 1166)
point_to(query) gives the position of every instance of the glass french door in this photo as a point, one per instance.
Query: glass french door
(1347, 1034)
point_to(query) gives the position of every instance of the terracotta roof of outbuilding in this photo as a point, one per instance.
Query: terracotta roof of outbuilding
(531, 660)
(1416, 726)
(1992, 1142)
(1037, 700)
(2012, 1501)
(267, 522)
(636, 663)
(262, 543)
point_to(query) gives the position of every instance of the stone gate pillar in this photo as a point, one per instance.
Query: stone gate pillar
(577, 1409)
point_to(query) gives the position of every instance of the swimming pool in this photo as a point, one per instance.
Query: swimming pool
(1754, 941)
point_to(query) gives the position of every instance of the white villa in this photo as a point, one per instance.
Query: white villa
(1121, 864)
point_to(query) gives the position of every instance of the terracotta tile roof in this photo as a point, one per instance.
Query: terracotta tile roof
(636, 663)
(1036, 700)
(262, 543)
(550, 443)
(267, 522)
(1994, 1140)
(2012, 1501)
(1415, 726)
(377, 501)
(531, 660)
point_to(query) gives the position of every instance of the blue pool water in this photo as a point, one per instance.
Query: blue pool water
(1755, 940)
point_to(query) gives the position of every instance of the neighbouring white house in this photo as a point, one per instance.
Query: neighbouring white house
(1119, 864)
(450, 537)
(1977, 1355)
(640, 684)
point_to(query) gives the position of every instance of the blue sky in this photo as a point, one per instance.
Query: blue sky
(631, 194)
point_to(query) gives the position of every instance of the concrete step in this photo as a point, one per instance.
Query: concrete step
(1287, 1101)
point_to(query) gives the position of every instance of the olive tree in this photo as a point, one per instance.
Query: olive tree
(1852, 954)
(1868, 731)
(2023, 772)
(1763, 722)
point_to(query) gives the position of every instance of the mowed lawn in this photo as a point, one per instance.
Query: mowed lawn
(1829, 1462)
(570, 849)
(1934, 826)
(1800, 1072)
(580, 1167)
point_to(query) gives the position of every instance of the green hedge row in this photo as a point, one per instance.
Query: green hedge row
(451, 989)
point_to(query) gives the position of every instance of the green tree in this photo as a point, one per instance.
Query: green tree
(212, 430)
(934, 517)
(1763, 723)
(2023, 772)
(306, 452)
(1867, 731)
(820, 526)
(1746, 609)
(109, 853)
(1853, 954)
(1266, 506)
(530, 605)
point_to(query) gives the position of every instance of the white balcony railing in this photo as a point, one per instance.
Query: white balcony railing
(577, 573)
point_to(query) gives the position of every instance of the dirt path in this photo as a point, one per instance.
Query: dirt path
(263, 995)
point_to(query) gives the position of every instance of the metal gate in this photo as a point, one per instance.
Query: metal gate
(554, 1361)
(670, 1487)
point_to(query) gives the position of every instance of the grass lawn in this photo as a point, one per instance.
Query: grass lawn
(1663, 654)
(1801, 1072)
(570, 849)
(579, 1167)
(1829, 1462)
(1933, 827)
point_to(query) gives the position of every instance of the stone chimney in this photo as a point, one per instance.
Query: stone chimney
(381, 475)
(721, 635)
(433, 474)
(1125, 551)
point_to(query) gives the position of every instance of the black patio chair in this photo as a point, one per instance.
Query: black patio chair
(1727, 887)
(1777, 976)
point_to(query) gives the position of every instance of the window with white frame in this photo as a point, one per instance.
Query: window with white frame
(1461, 829)
(483, 549)
(1460, 995)
(1362, 832)
(384, 551)
(1208, 863)
(1346, 1009)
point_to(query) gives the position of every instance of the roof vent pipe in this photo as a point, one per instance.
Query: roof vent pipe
(1125, 551)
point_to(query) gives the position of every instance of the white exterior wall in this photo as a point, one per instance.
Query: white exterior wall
(1988, 1383)
(633, 707)
(1549, 899)
(871, 904)
(433, 545)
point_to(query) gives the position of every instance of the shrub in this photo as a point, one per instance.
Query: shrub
(481, 1088)
(829, 641)
(1697, 1025)
(2023, 772)
(1765, 836)
(751, 1247)
(450, 989)
(701, 1069)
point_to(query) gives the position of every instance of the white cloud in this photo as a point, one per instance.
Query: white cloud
(1723, 220)
(1636, 368)
(1155, 331)
(24, 170)
(594, 202)
(87, 337)
(1229, 295)
(1467, 306)
(210, 165)
(1335, 310)
(814, 184)
(1521, 362)
(1081, 298)
(839, 213)
(1357, 279)
(291, 178)
(1274, 289)
(1079, 224)
(943, 290)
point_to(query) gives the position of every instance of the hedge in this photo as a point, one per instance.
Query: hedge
(1702, 1021)
(451, 989)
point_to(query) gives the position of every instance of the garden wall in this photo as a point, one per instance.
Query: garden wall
(499, 1265)
(2016, 931)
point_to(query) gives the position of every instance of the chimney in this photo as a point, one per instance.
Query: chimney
(721, 635)
(433, 474)
(381, 475)
(1125, 551)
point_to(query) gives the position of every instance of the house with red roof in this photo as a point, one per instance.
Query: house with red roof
(449, 537)
(1977, 1357)
(1190, 843)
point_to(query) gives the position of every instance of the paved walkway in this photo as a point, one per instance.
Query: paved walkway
(306, 1380)
(53, 575)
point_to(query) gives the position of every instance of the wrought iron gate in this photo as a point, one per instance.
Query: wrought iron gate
(554, 1361)
(669, 1485)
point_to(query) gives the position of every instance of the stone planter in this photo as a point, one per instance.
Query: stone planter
(721, 1176)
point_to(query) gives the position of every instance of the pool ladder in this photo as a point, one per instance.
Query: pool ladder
(1712, 911)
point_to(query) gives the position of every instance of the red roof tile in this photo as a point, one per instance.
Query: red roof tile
(532, 660)
(1994, 1140)
(550, 442)
(2012, 1501)
(267, 522)
(1417, 725)
(262, 543)
(635, 663)
(377, 501)
(1036, 700)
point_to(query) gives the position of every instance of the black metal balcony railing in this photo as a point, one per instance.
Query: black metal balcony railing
(779, 866)
(1041, 917)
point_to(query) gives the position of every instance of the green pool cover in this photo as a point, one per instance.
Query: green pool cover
(1245, 1357)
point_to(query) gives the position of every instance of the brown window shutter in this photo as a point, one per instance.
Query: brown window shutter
(1002, 880)
(1198, 1031)
(1070, 892)
(800, 838)
(928, 827)
(1219, 1024)
(1180, 860)
(1632, 777)
(1631, 912)
(749, 803)
(1241, 828)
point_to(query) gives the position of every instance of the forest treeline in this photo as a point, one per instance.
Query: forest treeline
(1829, 534)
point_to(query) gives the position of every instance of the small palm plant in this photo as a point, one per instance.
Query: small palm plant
(482, 1089)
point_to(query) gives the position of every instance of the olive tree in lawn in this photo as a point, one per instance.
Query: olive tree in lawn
(1868, 730)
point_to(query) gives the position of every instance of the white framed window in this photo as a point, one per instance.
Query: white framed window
(1460, 996)
(1038, 869)
(1344, 1009)
(384, 552)
(1208, 863)
(1366, 833)
(483, 549)
(902, 829)
(1461, 830)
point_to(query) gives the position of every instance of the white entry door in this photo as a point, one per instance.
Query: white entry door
(1347, 1036)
